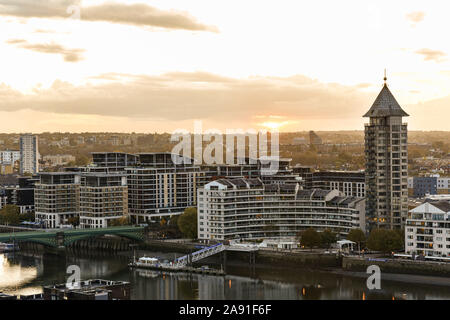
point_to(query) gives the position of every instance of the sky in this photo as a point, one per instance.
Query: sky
(159, 65)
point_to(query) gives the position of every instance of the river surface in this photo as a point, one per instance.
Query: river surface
(26, 273)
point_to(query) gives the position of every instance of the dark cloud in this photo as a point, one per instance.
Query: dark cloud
(183, 96)
(431, 55)
(69, 55)
(416, 16)
(138, 14)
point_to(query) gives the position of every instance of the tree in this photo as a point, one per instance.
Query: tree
(10, 214)
(82, 160)
(327, 237)
(75, 221)
(358, 236)
(122, 221)
(310, 238)
(28, 216)
(384, 240)
(187, 223)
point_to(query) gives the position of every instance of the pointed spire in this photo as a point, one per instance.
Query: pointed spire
(385, 104)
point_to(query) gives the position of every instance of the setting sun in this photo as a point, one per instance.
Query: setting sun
(273, 125)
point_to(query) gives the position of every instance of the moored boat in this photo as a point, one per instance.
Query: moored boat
(8, 247)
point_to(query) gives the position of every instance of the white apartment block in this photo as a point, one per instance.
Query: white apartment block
(249, 209)
(427, 229)
(29, 154)
(443, 185)
(9, 156)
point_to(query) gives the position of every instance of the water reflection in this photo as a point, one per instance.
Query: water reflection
(22, 273)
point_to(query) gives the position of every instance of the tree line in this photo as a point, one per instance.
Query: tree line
(383, 240)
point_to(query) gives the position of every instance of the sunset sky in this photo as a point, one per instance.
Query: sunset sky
(158, 65)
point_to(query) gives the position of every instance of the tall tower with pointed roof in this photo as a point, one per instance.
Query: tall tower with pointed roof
(386, 152)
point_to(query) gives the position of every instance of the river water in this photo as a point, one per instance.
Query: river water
(26, 273)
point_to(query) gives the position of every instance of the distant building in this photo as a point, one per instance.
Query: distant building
(427, 230)
(419, 187)
(79, 140)
(249, 209)
(6, 168)
(299, 141)
(91, 140)
(58, 160)
(386, 152)
(9, 156)
(115, 140)
(29, 154)
(314, 139)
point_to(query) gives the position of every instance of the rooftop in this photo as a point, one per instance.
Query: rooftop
(385, 105)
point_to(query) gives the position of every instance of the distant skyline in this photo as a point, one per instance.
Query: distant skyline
(158, 65)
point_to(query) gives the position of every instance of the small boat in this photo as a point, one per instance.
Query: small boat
(8, 247)
(155, 264)
(150, 263)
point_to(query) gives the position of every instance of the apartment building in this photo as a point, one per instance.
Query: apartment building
(351, 183)
(419, 187)
(114, 161)
(249, 209)
(159, 186)
(253, 168)
(57, 198)
(427, 230)
(386, 153)
(9, 156)
(3, 198)
(29, 154)
(103, 198)
(58, 160)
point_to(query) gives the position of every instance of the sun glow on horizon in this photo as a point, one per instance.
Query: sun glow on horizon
(273, 125)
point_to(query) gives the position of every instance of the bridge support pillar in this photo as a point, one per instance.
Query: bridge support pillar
(58, 251)
(59, 237)
(223, 257)
(252, 257)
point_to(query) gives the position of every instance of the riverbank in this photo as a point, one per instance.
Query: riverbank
(263, 256)
(401, 278)
(399, 269)
(397, 266)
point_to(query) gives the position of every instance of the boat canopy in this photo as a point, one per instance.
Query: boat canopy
(148, 259)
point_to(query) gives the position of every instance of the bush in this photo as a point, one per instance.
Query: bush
(385, 240)
(187, 223)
